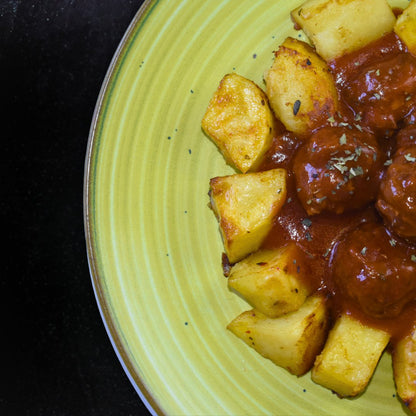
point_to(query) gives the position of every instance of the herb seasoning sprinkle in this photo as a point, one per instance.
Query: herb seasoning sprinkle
(296, 107)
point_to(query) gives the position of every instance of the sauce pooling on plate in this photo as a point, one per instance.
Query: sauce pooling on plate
(351, 202)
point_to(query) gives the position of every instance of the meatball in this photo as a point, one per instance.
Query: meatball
(397, 196)
(383, 93)
(406, 137)
(375, 270)
(338, 169)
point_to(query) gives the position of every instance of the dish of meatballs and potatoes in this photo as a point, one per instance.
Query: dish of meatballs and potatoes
(319, 221)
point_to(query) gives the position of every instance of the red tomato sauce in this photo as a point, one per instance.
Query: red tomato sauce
(351, 201)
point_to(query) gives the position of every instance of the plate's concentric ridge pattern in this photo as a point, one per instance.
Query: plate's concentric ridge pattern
(153, 244)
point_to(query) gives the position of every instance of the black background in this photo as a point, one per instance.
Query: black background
(56, 356)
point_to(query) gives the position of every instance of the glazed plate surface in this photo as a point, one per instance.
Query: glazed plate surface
(153, 244)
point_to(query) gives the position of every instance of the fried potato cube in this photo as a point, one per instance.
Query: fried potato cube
(291, 341)
(300, 87)
(349, 357)
(404, 369)
(338, 27)
(272, 281)
(245, 205)
(240, 122)
(405, 27)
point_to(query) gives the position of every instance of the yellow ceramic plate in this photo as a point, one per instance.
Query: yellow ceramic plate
(153, 244)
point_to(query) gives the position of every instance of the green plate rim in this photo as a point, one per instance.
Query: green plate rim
(88, 204)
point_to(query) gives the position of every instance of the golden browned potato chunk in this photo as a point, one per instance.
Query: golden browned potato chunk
(350, 356)
(245, 205)
(404, 368)
(405, 27)
(240, 122)
(272, 281)
(291, 341)
(300, 87)
(337, 27)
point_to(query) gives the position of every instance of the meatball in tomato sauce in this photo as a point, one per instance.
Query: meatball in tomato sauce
(406, 137)
(397, 196)
(383, 93)
(375, 270)
(338, 170)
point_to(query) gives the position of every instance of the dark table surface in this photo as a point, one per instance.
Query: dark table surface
(57, 358)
